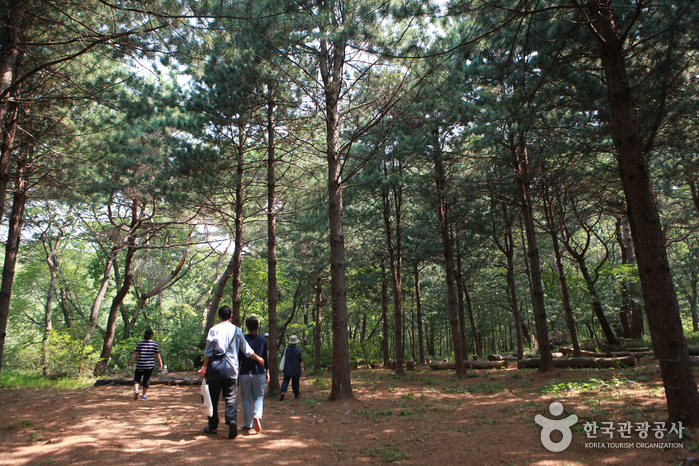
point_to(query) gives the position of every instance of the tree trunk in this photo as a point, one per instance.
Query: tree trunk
(662, 308)
(52, 263)
(469, 307)
(443, 213)
(384, 315)
(318, 321)
(14, 236)
(273, 349)
(97, 303)
(10, 44)
(238, 244)
(418, 303)
(331, 64)
(594, 298)
(636, 326)
(624, 361)
(395, 264)
(460, 301)
(108, 343)
(554, 229)
(521, 158)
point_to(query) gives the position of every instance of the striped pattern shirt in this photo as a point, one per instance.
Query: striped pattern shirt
(146, 350)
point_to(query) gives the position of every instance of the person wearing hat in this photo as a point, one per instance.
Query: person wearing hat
(293, 368)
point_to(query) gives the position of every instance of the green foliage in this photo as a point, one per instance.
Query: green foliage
(181, 344)
(13, 380)
(69, 356)
(583, 386)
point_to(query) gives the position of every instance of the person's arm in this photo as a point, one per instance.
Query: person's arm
(134, 356)
(302, 369)
(160, 360)
(204, 365)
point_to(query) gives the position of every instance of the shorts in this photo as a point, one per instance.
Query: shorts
(145, 374)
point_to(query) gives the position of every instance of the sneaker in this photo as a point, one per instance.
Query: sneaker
(297, 396)
(135, 395)
(144, 398)
(256, 424)
(281, 397)
(232, 430)
(209, 430)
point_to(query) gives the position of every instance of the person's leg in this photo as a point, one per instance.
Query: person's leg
(246, 395)
(284, 387)
(230, 396)
(295, 385)
(258, 396)
(146, 382)
(214, 390)
(137, 375)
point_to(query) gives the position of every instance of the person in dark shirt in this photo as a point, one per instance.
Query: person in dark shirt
(293, 368)
(253, 378)
(146, 352)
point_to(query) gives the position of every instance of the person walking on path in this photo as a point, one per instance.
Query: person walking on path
(253, 378)
(293, 368)
(220, 368)
(146, 351)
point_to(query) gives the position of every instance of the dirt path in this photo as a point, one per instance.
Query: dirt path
(427, 417)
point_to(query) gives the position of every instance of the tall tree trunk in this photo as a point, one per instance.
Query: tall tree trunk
(636, 327)
(395, 265)
(385, 344)
(443, 213)
(662, 308)
(522, 170)
(102, 292)
(418, 305)
(474, 331)
(460, 301)
(14, 236)
(64, 309)
(318, 343)
(10, 43)
(331, 64)
(52, 262)
(563, 280)
(272, 246)
(238, 244)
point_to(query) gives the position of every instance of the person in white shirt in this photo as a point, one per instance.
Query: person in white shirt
(220, 368)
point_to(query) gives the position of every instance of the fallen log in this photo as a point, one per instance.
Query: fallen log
(693, 350)
(109, 382)
(438, 366)
(585, 353)
(625, 361)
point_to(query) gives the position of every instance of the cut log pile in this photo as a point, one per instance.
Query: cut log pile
(624, 361)
(444, 365)
(106, 382)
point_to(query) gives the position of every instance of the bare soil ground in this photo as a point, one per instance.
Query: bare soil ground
(426, 417)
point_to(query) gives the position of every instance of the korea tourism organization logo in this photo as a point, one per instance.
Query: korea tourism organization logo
(607, 434)
(548, 426)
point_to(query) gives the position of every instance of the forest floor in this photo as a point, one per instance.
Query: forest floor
(426, 417)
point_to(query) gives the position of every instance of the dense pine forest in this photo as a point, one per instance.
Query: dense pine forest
(392, 182)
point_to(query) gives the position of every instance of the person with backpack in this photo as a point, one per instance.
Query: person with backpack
(293, 368)
(220, 368)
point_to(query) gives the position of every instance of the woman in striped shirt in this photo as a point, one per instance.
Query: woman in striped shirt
(146, 351)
